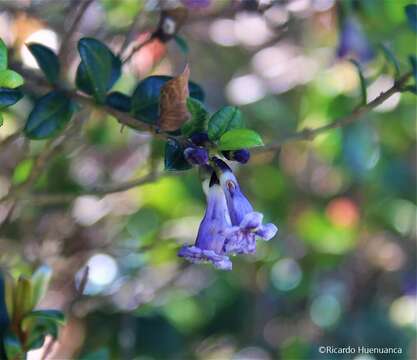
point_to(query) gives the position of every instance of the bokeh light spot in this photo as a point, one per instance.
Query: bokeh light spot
(286, 274)
(325, 310)
(343, 212)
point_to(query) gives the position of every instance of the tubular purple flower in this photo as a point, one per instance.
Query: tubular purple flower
(196, 155)
(209, 246)
(247, 223)
(353, 42)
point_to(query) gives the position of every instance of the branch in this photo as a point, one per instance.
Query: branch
(310, 134)
(48, 199)
(126, 119)
(130, 33)
(52, 147)
(69, 34)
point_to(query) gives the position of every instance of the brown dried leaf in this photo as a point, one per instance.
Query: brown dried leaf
(173, 110)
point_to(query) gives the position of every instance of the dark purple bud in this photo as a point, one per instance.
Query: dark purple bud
(242, 155)
(353, 42)
(196, 155)
(199, 139)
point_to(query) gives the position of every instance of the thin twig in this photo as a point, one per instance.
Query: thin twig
(130, 33)
(356, 114)
(9, 139)
(41, 162)
(126, 119)
(69, 34)
(49, 199)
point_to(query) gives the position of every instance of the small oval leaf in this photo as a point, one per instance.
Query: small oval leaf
(411, 13)
(47, 61)
(174, 156)
(238, 139)
(225, 119)
(9, 97)
(391, 58)
(10, 79)
(198, 120)
(362, 81)
(99, 68)
(4, 317)
(3, 55)
(49, 116)
(40, 281)
(119, 101)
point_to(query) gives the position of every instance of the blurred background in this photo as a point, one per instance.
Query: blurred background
(342, 270)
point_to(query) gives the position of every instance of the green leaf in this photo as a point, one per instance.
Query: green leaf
(52, 315)
(413, 62)
(1, 119)
(362, 81)
(238, 139)
(174, 156)
(390, 57)
(100, 68)
(10, 79)
(145, 98)
(100, 354)
(3, 55)
(182, 44)
(412, 89)
(47, 61)
(119, 101)
(49, 116)
(82, 80)
(22, 171)
(198, 120)
(38, 328)
(10, 293)
(4, 318)
(225, 119)
(9, 97)
(13, 347)
(40, 281)
(23, 299)
(411, 13)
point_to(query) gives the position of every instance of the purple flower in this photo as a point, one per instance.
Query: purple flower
(199, 139)
(247, 224)
(242, 239)
(353, 42)
(196, 155)
(242, 155)
(209, 246)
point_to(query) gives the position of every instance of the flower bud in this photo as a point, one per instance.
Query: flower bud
(199, 139)
(196, 155)
(242, 155)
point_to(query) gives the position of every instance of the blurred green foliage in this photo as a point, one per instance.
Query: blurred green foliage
(341, 271)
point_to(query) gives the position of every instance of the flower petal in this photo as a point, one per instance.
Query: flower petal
(240, 242)
(196, 155)
(252, 221)
(197, 256)
(267, 231)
